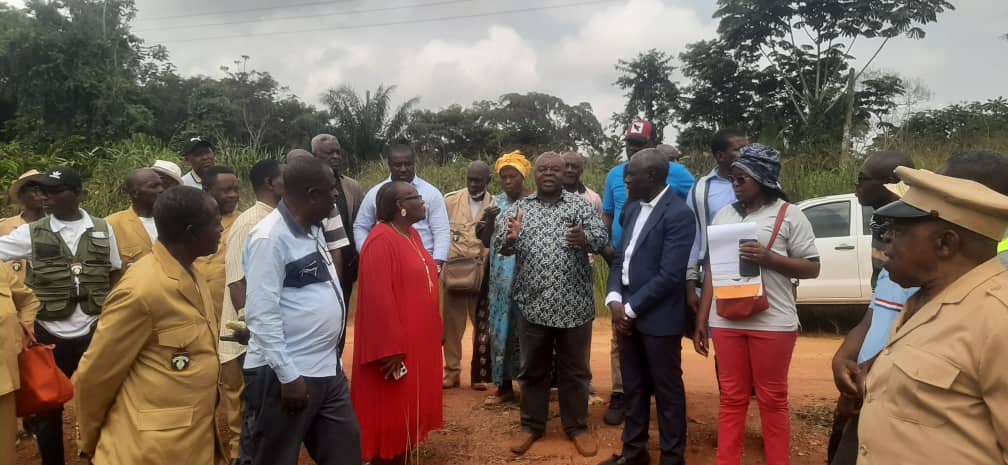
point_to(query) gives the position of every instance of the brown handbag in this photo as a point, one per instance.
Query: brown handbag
(745, 307)
(463, 274)
(44, 387)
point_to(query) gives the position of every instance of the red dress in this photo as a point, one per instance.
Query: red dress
(397, 313)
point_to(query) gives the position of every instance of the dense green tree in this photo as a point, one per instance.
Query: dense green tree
(651, 94)
(809, 43)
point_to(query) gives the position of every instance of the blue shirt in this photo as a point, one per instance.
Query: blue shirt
(615, 196)
(435, 231)
(294, 307)
(720, 194)
(886, 305)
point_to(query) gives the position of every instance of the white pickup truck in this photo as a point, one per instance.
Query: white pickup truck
(843, 237)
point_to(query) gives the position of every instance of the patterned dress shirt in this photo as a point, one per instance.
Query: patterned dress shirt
(553, 283)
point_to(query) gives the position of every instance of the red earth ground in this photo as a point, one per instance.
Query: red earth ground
(477, 435)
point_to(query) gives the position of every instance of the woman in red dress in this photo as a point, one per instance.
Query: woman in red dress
(396, 380)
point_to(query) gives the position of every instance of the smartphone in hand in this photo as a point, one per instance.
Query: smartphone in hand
(747, 269)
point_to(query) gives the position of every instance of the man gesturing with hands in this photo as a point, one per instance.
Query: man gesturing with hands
(549, 233)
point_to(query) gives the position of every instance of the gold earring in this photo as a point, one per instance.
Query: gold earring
(402, 212)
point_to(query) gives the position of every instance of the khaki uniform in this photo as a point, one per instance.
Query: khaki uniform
(131, 236)
(457, 307)
(17, 303)
(212, 266)
(146, 390)
(938, 392)
(8, 225)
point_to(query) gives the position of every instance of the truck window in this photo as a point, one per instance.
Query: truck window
(866, 214)
(830, 219)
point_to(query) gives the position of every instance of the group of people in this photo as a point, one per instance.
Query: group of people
(180, 306)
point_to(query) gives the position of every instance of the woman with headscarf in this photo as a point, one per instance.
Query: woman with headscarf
(396, 382)
(755, 351)
(512, 168)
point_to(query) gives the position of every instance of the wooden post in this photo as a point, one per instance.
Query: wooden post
(845, 145)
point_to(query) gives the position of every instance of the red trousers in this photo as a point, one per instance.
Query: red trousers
(748, 359)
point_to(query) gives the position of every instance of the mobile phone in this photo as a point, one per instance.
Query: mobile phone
(229, 338)
(747, 269)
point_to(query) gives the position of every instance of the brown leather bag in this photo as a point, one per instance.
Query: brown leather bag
(464, 275)
(44, 387)
(738, 309)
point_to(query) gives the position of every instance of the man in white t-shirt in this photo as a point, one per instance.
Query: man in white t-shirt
(74, 261)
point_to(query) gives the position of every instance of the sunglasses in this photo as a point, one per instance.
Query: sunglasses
(741, 179)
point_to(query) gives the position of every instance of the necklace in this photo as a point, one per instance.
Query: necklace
(430, 284)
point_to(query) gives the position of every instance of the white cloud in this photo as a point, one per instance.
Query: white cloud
(444, 72)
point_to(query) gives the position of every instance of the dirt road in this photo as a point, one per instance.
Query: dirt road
(475, 435)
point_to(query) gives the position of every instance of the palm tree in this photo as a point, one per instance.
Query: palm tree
(366, 126)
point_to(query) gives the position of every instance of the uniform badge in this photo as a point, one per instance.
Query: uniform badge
(180, 360)
(16, 266)
(76, 267)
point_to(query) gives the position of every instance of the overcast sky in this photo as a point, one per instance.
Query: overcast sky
(484, 52)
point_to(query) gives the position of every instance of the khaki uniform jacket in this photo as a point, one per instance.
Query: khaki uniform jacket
(131, 236)
(133, 405)
(8, 225)
(213, 266)
(938, 392)
(17, 303)
(464, 243)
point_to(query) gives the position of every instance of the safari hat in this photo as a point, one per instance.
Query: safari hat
(15, 188)
(169, 169)
(961, 202)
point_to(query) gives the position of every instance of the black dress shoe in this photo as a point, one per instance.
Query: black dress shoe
(642, 459)
(617, 410)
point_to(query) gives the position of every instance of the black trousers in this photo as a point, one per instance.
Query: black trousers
(48, 427)
(573, 347)
(327, 426)
(846, 452)
(652, 365)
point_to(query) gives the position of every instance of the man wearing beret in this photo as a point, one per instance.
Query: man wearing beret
(938, 392)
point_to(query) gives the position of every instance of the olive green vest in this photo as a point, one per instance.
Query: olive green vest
(54, 270)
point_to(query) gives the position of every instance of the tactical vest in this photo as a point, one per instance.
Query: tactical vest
(62, 279)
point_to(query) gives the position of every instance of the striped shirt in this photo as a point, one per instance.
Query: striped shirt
(333, 231)
(234, 271)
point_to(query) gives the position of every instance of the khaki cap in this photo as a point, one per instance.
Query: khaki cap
(15, 188)
(959, 201)
(168, 168)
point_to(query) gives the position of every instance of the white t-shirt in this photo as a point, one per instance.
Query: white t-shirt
(795, 240)
(148, 224)
(17, 245)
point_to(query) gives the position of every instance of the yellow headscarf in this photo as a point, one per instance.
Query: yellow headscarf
(515, 160)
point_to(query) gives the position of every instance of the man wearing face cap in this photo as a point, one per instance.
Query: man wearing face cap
(938, 392)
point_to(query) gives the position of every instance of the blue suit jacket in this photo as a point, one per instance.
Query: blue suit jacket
(657, 290)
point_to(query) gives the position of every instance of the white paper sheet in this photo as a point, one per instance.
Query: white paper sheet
(723, 240)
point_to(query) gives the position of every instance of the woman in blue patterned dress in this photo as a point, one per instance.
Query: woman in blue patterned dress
(512, 168)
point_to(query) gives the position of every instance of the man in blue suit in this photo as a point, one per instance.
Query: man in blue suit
(647, 297)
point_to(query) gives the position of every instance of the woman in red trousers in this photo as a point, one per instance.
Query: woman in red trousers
(755, 351)
(396, 384)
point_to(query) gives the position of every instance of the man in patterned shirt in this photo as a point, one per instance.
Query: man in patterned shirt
(549, 233)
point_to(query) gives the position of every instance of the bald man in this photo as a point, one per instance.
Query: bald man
(134, 227)
(336, 237)
(464, 280)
